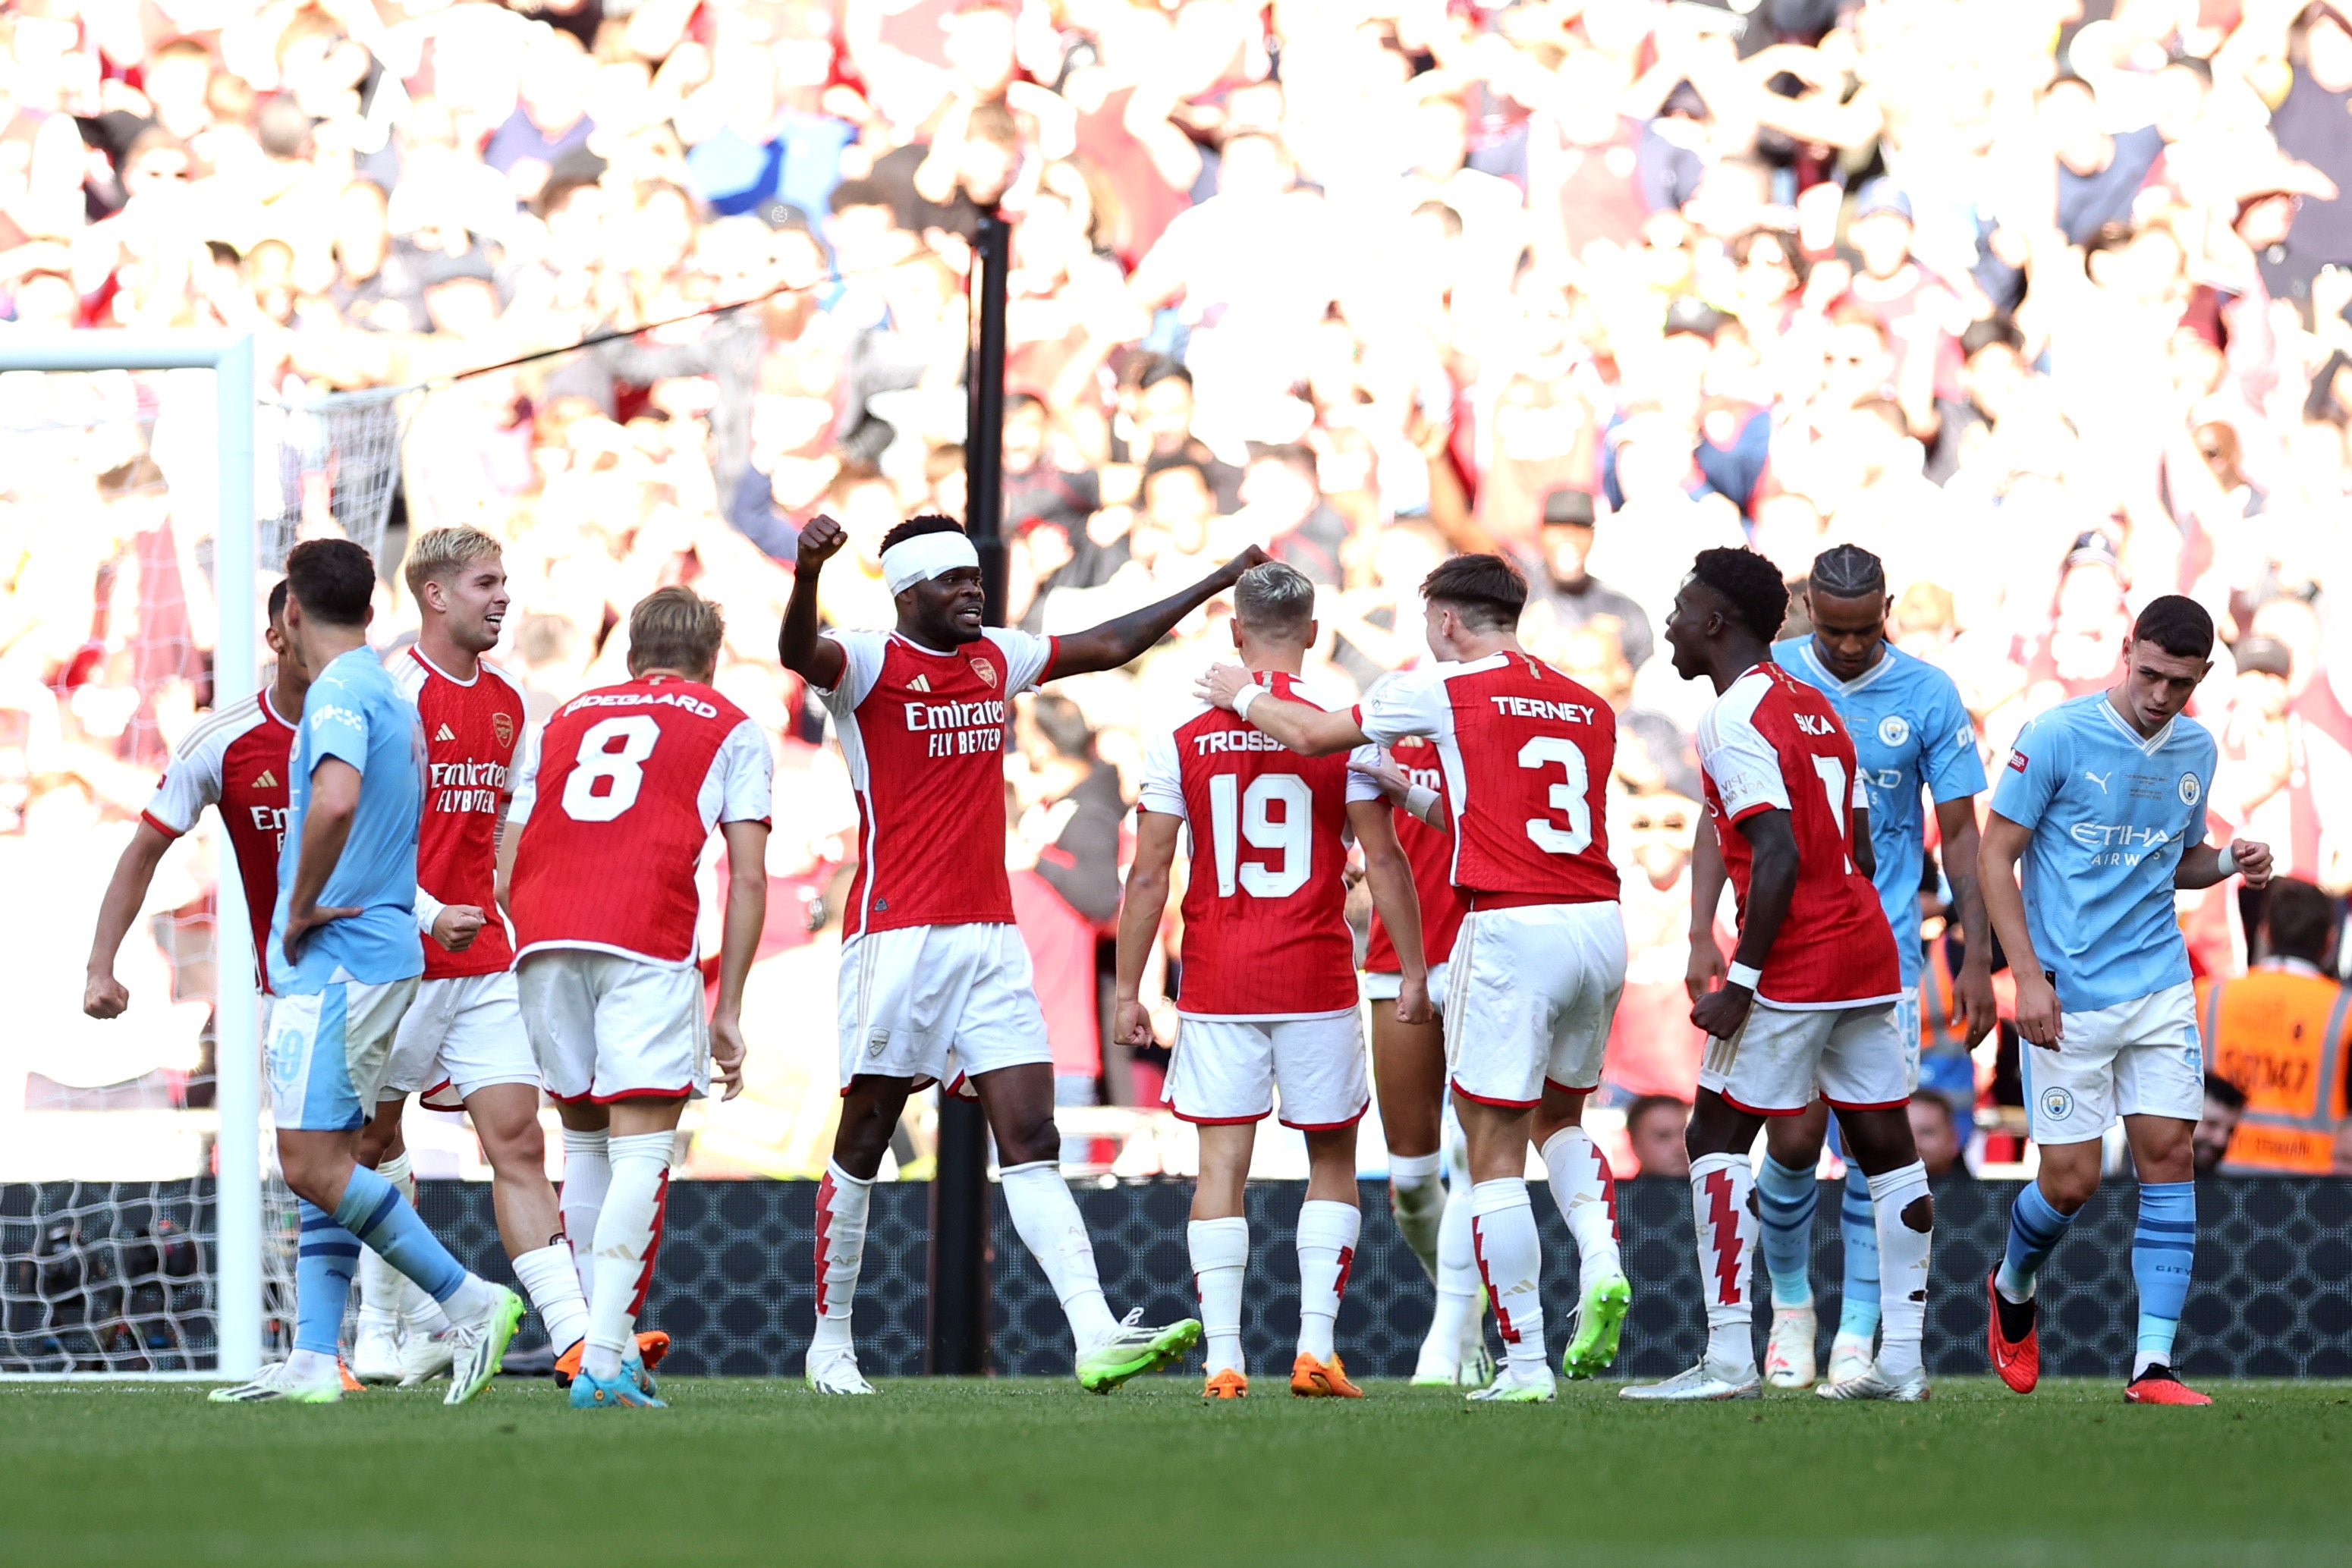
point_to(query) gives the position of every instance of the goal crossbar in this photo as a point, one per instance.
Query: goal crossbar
(236, 675)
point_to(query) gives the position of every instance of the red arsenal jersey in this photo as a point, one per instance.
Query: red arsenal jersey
(615, 804)
(1527, 754)
(471, 730)
(923, 733)
(236, 761)
(1265, 927)
(1773, 743)
(1430, 851)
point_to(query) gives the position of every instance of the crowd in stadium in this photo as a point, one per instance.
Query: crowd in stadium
(2042, 301)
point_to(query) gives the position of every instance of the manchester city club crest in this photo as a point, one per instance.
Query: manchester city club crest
(1894, 729)
(503, 726)
(2057, 1103)
(985, 671)
(2189, 789)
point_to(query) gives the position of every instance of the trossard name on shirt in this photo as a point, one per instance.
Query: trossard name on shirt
(957, 728)
(1210, 742)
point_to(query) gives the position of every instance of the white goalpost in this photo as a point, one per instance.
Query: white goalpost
(238, 1283)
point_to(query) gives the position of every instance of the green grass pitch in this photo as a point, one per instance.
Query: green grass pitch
(1037, 1473)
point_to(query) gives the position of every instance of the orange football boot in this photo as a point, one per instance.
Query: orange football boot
(2019, 1361)
(652, 1345)
(1227, 1385)
(1313, 1379)
(2157, 1386)
(351, 1384)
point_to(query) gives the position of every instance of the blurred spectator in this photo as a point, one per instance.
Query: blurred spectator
(1563, 594)
(1654, 1124)
(2278, 1039)
(1936, 1130)
(2225, 1106)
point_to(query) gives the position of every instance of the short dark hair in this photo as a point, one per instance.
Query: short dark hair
(1160, 368)
(859, 192)
(2176, 624)
(1486, 590)
(331, 580)
(916, 528)
(1749, 584)
(1642, 1105)
(2299, 918)
(1847, 571)
(278, 599)
(1979, 336)
(2221, 1092)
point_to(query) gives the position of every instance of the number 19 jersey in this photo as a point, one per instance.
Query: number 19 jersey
(1266, 929)
(614, 809)
(1527, 754)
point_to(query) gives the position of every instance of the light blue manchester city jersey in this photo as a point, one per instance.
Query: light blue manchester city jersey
(1910, 728)
(2111, 815)
(354, 712)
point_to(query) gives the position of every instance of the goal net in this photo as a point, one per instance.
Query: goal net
(146, 504)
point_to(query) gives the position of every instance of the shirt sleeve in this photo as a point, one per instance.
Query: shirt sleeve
(337, 724)
(750, 767)
(2199, 826)
(1745, 767)
(523, 792)
(861, 668)
(1162, 788)
(1027, 657)
(428, 910)
(1413, 703)
(1949, 759)
(1359, 786)
(191, 782)
(2036, 765)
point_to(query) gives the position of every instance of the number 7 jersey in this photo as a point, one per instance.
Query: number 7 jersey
(1265, 927)
(614, 806)
(1527, 754)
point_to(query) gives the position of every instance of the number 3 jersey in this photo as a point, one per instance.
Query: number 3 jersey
(614, 809)
(1266, 928)
(1770, 742)
(1527, 754)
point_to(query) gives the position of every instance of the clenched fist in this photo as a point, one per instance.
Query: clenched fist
(820, 540)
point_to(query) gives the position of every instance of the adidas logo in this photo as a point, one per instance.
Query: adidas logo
(267, 780)
(443, 733)
(919, 684)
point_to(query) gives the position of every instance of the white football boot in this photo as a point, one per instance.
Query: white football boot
(1789, 1350)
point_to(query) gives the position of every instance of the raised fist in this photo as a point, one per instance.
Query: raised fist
(820, 540)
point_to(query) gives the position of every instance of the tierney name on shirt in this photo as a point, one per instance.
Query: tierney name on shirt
(1536, 708)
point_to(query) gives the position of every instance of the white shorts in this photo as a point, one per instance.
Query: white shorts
(604, 1026)
(1226, 1070)
(328, 1050)
(941, 1003)
(2139, 1058)
(1529, 994)
(1381, 988)
(461, 1033)
(1853, 1057)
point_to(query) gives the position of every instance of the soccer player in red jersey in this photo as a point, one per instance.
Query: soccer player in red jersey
(1267, 993)
(935, 983)
(1807, 1006)
(461, 1042)
(1534, 976)
(613, 811)
(236, 760)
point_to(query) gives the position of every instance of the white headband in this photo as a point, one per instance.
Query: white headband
(925, 557)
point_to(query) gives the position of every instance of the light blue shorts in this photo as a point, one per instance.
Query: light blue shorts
(329, 1052)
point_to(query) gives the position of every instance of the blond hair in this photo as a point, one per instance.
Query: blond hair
(675, 628)
(436, 553)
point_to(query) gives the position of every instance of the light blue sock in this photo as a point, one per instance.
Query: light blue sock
(322, 1281)
(1858, 1225)
(1785, 1200)
(2164, 1254)
(2035, 1229)
(373, 1211)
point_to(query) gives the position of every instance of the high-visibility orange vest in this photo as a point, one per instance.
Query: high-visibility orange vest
(2279, 1036)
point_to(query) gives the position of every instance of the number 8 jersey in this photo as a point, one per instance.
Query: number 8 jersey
(1527, 754)
(614, 806)
(1265, 927)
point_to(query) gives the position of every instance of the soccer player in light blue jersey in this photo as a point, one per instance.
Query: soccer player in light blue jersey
(2103, 800)
(1910, 731)
(344, 962)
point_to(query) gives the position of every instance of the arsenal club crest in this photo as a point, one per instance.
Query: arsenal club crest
(503, 726)
(985, 671)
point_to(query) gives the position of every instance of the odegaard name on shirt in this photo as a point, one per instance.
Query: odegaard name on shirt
(692, 704)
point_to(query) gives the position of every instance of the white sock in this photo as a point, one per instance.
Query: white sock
(587, 1176)
(842, 1202)
(553, 1284)
(626, 1233)
(1046, 1215)
(1510, 1258)
(1722, 1186)
(1585, 1190)
(472, 1300)
(387, 1296)
(1220, 1249)
(379, 1293)
(1902, 1268)
(1456, 1322)
(1328, 1231)
(310, 1367)
(1417, 1198)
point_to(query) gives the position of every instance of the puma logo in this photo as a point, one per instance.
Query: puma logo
(2099, 779)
